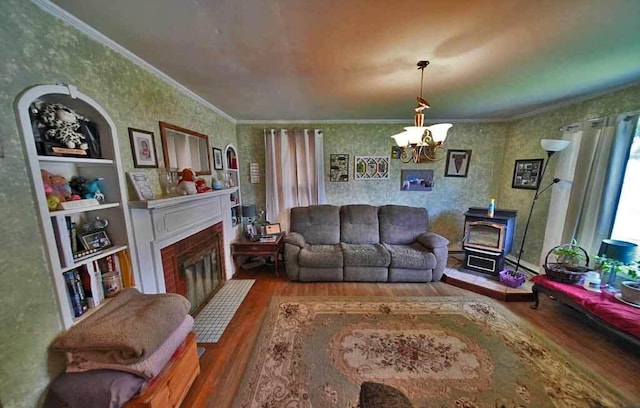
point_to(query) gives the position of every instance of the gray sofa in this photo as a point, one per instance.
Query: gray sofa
(361, 242)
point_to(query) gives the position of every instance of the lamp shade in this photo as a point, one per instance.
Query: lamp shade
(249, 210)
(554, 145)
(415, 133)
(622, 251)
(439, 131)
(402, 138)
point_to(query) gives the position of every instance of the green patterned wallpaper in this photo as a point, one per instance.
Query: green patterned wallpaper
(37, 48)
(495, 147)
(523, 142)
(450, 197)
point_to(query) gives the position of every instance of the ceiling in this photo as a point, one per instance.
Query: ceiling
(356, 59)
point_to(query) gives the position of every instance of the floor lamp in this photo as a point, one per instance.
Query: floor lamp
(551, 146)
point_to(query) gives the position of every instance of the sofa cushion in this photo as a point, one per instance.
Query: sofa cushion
(318, 224)
(359, 224)
(401, 225)
(320, 256)
(413, 256)
(365, 255)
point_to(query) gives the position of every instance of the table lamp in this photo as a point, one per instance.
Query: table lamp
(249, 213)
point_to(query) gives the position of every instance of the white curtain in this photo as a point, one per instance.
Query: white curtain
(584, 203)
(294, 171)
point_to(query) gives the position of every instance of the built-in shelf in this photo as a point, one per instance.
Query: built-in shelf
(61, 236)
(95, 256)
(84, 209)
(75, 160)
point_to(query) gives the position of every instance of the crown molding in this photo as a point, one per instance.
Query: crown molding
(54, 10)
(364, 121)
(571, 101)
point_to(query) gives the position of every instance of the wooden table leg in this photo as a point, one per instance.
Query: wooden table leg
(536, 299)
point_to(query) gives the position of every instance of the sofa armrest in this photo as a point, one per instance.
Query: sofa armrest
(295, 238)
(432, 240)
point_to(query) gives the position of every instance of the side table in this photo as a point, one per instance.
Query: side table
(244, 247)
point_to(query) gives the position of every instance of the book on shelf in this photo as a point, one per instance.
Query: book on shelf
(62, 232)
(76, 292)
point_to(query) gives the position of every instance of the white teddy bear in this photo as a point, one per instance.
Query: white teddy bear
(63, 125)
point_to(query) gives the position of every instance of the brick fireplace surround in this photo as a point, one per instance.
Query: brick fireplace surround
(201, 245)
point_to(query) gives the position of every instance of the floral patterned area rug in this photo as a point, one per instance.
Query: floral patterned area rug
(439, 351)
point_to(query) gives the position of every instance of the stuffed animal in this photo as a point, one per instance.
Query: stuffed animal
(56, 189)
(87, 188)
(187, 185)
(63, 126)
(91, 189)
(201, 185)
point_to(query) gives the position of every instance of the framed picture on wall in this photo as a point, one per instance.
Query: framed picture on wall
(526, 174)
(217, 159)
(143, 148)
(416, 180)
(371, 167)
(339, 167)
(457, 163)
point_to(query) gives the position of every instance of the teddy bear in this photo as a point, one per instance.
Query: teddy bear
(187, 185)
(56, 189)
(63, 126)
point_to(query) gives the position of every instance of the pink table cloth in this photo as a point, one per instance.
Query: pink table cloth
(603, 305)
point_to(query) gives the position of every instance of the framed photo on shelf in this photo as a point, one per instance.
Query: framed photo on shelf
(141, 184)
(95, 240)
(526, 174)
(339, 165)
(272, 229)
(217, 159)
(457, 163)
(143, 148)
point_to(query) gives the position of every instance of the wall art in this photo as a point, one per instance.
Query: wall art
(457, 163)
(416, 180)
(143, 148)
(217, 159)
(339, 167)
(526, 174)
(371, 167)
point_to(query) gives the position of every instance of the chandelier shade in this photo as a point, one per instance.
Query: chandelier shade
(418, 142)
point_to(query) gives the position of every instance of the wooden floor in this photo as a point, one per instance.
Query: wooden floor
(223, 364)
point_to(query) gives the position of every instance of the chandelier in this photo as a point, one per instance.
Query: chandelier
(418, 142)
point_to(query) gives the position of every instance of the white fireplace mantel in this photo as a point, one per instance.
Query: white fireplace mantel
(162, 222)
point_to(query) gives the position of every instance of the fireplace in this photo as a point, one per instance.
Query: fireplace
(182, 244)
(487, 240)
(194, 266)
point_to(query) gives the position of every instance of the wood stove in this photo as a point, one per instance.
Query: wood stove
(487, 240)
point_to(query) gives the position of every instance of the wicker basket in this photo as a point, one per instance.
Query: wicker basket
(560, 273)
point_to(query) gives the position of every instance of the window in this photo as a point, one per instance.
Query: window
(626, 226)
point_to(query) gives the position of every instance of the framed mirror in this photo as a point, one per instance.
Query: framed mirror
(184, 148)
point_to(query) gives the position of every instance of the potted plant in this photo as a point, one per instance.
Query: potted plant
(571, 256)
(629, 289)
(568, 263)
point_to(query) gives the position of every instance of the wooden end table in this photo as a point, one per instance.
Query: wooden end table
(244, 247)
